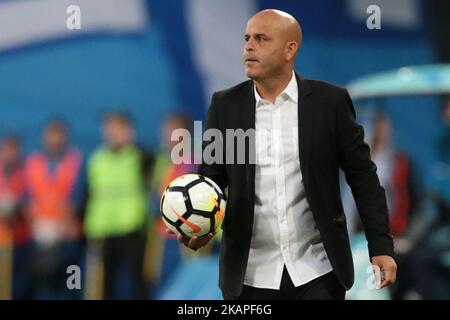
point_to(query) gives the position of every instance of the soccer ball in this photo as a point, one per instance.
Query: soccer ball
(193, 205)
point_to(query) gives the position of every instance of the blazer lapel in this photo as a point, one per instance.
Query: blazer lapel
(305, 121)
(247, 107)
(247, 113)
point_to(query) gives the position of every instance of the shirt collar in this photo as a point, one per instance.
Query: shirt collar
(291, 91)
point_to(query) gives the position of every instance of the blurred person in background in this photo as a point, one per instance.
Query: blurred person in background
(444, 140)
(165, 254)
(14, 231)
(116, 213)
(52, 175)
(395, 173)
(427, 243)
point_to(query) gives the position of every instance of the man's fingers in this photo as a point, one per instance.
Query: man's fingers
(389, 278)
(193, 243)
(203, 240)
(169, 231)
(198, 242)
(180, 238)
(183, 240)
(385, 283)
(388, 268)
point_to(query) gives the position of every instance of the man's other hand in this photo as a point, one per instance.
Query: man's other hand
(388, 266)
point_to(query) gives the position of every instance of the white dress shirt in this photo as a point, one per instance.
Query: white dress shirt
(284, 230)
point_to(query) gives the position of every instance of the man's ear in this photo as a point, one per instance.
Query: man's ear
(291, 50)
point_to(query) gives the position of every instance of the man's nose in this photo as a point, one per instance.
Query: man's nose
(249, 45)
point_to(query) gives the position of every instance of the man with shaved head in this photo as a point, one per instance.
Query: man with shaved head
(284, 232)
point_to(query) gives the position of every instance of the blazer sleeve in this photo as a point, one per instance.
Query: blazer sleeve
(360, 173)
(215, 171)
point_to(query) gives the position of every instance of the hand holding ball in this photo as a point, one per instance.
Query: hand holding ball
(192, 206)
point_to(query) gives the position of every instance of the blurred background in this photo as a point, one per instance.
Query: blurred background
(86, 116)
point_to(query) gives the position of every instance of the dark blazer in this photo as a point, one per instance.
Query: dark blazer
(329, 139)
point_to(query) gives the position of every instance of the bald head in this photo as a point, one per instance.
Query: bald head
(281, 22)
(273, 38)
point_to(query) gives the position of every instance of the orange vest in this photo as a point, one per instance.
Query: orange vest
(50, 193)
(11, 187)
(13, 184)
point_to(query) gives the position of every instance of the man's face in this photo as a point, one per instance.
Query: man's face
(383, 130)
(9, 152)
(55, 138)
(117, 133)
(170, 125)
(264, 50)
